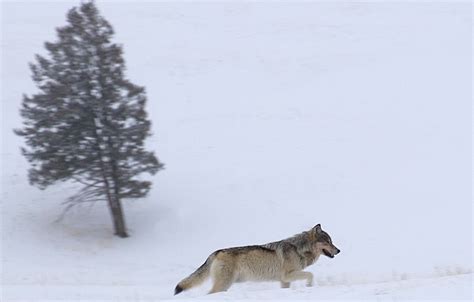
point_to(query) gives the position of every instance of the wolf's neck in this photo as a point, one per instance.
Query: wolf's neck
(299, 240)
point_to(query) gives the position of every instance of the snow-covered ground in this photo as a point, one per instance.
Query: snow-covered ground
(270, 118)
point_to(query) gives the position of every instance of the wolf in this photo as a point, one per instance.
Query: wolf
(282, 261)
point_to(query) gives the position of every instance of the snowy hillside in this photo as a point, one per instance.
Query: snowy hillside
(270, 118)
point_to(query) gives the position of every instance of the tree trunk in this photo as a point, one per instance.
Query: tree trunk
(114, 202)
(115, 207)
(117, 216)
(117, 213)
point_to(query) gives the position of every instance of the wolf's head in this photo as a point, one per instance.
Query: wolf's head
(322, 242)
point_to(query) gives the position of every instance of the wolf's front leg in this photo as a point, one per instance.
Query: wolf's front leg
(284, 284)
(299, 275)
(309, 281)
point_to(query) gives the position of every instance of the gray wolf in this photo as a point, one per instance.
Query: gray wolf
(281, 261)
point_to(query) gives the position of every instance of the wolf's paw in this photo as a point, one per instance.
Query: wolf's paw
(309, 283)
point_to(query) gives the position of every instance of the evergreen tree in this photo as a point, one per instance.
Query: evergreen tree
(88, 122)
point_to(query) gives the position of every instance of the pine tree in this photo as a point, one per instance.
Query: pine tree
(88, 123)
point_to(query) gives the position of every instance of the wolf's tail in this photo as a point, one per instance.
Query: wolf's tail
(196, 278)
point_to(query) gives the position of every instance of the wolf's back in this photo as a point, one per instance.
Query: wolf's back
(196, 278)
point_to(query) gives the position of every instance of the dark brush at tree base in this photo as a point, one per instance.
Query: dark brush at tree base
(88, 122)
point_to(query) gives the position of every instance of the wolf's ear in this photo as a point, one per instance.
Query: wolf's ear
(317, 228)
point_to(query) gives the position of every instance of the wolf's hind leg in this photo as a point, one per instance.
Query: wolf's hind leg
(299, 275)
(223, 278)
(221, 284)
(284, 284)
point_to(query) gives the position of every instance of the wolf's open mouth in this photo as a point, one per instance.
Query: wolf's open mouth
(327, 254)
